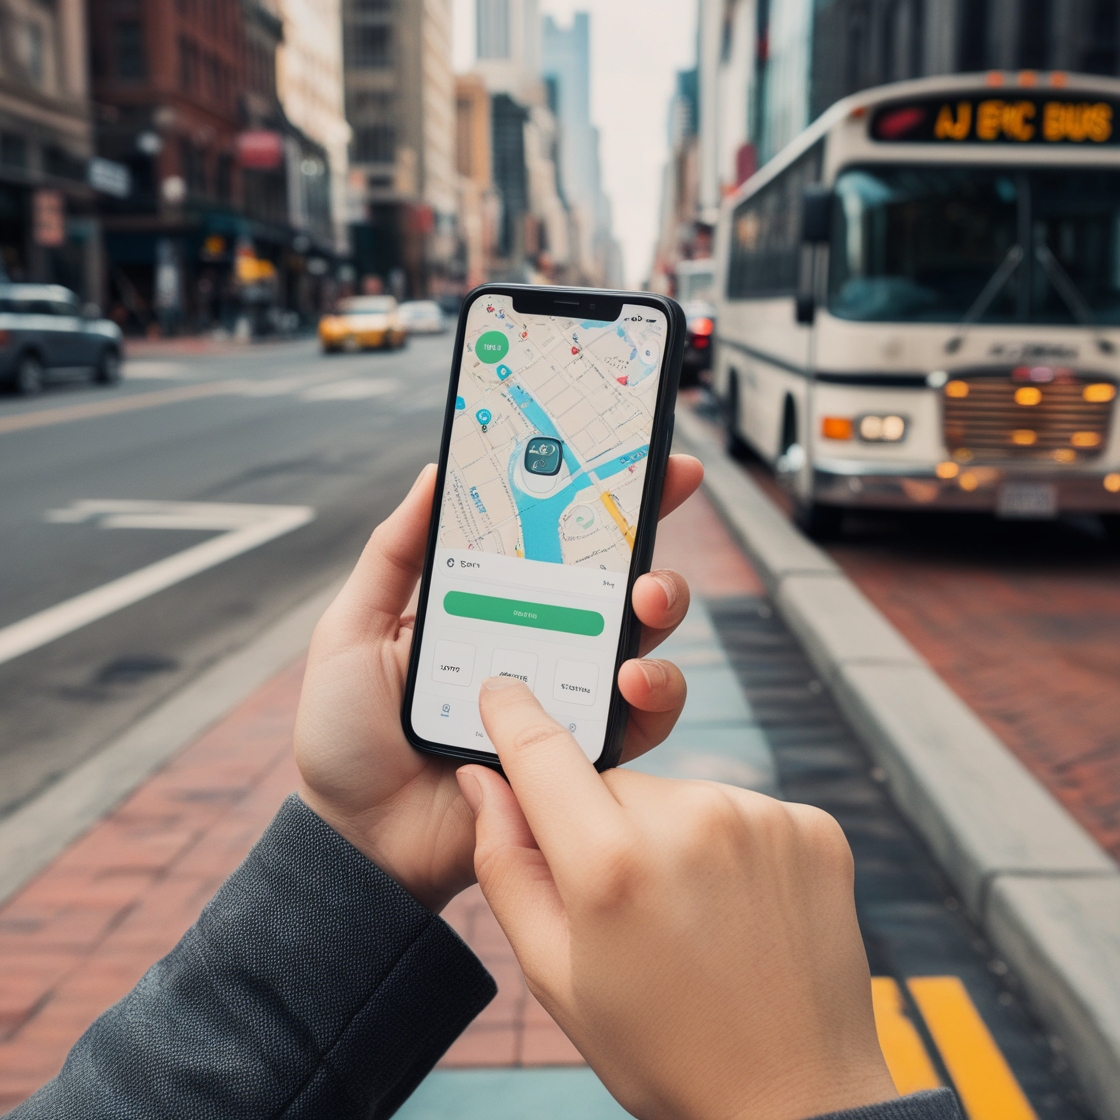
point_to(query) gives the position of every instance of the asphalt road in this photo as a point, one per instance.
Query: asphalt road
(275, 424)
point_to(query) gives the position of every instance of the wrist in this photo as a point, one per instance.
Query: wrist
(385, 843)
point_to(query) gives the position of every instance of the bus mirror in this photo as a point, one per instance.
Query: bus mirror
(816, 215)
(806, 310)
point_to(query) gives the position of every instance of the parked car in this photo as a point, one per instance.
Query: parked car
(363, 323)
(423, 316)
(45, 334)
(700, 318)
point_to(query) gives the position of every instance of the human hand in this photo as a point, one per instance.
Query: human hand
(399, 807)
(697, 942)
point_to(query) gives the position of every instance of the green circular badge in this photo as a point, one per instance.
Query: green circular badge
(491, 347)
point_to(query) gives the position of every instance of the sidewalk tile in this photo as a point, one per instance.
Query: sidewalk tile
(512, 1094)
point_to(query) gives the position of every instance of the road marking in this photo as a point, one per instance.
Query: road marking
(44, 417)
(902, 1046)
(138, 369)
(983, 1079)
(352, 390)
(245, 527)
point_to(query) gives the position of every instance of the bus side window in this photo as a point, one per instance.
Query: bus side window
(766, 233)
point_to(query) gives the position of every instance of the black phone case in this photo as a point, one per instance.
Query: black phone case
(661, 440)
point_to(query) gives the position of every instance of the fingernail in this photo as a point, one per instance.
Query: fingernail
(470, 789)
(492, 684)
(668, 585)
(655, 673)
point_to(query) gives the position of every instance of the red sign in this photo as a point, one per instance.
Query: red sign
(48, 218)
(260, 150)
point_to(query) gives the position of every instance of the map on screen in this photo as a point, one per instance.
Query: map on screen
(552, 425)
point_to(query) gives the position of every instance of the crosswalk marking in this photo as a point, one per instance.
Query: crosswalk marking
(242, 527)
(984, 1082)
(907, 1060)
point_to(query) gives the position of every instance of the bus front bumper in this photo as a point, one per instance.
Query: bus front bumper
(1012, 491)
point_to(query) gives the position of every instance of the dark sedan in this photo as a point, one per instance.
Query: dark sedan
(700, 318)
(46, 334)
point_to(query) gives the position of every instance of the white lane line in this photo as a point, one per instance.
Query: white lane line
(355, 389)
(246, 527)
(138, 369)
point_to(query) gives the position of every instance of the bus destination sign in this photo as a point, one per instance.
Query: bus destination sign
(998, 120)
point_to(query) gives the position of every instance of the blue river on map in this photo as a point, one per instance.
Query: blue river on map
(540, 517)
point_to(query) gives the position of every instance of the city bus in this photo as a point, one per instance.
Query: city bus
(918, 301)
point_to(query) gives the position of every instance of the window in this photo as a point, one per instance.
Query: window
(13, 150)
(375, 143)
(370, 46)
(192, 166)
(128, 50)
(493, 28)
(766, 233)
(188, 66)
(913, 243)
(213, 70)
(1100, 54)
(34, 41)
(974, 35)
(1035, 34)
(223, 178)
(58, 161)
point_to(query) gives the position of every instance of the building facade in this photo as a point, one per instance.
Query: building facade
(566, 67)
(48, 225)
(400, 103)
(209, 234)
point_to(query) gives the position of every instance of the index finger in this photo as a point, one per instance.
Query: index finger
(569, 808)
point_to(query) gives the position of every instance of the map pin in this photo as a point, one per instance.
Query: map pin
(503, 372)
(483, 416)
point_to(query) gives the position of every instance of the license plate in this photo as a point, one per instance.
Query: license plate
(1027, 499)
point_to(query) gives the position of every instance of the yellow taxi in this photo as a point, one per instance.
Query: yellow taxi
(363, 323)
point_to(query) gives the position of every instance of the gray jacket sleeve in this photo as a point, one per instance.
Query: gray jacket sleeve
(312, 985)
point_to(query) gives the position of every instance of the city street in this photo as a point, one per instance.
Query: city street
(274, 425)
(279, 426)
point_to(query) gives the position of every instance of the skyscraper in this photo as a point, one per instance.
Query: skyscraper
(566, 68)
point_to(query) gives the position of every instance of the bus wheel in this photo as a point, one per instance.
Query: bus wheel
(818, 522)
(734, 443)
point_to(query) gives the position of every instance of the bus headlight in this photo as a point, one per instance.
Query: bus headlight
(875, 428)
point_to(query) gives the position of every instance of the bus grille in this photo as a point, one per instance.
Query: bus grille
(1027, 413)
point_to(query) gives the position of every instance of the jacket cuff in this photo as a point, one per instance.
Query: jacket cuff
(934, 1104)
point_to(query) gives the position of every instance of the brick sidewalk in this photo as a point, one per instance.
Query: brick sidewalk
(81, 933)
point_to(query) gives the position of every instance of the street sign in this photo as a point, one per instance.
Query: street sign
(48, 218)
(109, 177)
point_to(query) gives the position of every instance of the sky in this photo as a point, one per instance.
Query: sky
(637, 46)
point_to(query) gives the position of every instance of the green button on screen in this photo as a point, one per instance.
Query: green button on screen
(517, 612)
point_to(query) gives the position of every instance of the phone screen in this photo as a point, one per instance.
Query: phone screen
(537, 519)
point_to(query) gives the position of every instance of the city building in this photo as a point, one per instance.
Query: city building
(309, 80)
(479, 209)
(566, 67)
(401, 106)
(48, 226)
(211, 231)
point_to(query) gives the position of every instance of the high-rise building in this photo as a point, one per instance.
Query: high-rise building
(400, 103)
(479, 210)
(566, 67)
(48, 229)
(310, 84)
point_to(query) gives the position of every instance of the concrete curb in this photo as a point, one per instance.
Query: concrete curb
(1044, 892)
(42, 828)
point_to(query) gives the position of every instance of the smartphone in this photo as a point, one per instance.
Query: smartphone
(555, 439)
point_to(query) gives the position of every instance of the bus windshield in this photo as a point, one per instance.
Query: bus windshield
(922, 243)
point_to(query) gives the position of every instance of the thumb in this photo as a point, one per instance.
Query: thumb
(513, 873)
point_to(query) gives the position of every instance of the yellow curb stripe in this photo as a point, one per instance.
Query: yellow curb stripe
(983, 1079)
(902, 1046)
(46, 416)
